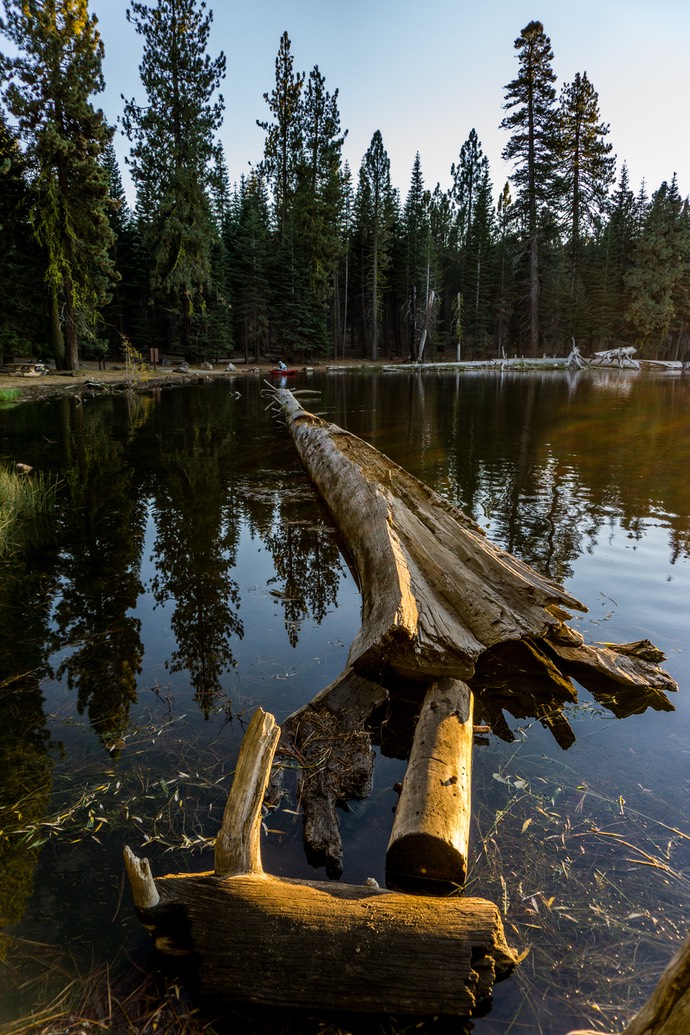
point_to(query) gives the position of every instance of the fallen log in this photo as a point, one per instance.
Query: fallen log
(429, 842)
(439, 600)
(259, 939)
(436, 593)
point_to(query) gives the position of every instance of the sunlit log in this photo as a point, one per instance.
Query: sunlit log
(258, 939)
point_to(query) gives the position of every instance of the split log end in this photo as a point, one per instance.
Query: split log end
(144, 890)
(238, 845)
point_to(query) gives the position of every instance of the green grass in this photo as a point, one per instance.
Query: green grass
(9, 395)
(25, 504)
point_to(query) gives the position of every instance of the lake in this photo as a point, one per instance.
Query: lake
(194, 575)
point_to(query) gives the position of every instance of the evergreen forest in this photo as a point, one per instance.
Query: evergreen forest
(304, 257)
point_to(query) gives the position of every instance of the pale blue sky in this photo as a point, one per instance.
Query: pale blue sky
(426, 73)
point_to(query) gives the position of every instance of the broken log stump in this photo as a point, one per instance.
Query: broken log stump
(312, 945)
(430, 837)
(258, 939)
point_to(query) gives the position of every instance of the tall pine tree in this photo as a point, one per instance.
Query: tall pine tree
(173, 151)
(419, 274)
(283, 144)
(530, 99)
(376, 207)
(57, 69)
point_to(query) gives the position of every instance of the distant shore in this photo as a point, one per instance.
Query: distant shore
(89, 380)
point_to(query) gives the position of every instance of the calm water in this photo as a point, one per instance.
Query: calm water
(195, 575)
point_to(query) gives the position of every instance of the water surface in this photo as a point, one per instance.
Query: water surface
(194, 574)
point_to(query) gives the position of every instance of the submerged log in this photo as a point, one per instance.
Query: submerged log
(259, 939)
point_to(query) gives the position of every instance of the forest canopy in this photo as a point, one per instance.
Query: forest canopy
(304, 257)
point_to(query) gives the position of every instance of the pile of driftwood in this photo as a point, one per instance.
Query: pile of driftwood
(452, 626)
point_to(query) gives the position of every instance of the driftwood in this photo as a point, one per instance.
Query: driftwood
(430, 837)
(436, 593)
(621, 357)
(439, 600)
(259, 939)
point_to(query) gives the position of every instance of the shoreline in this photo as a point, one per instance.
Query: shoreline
(91, 381)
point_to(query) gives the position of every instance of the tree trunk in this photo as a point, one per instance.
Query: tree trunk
(70, 325)
(435, 592)
(58, 342)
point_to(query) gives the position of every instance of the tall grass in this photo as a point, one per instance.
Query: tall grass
(26, 500)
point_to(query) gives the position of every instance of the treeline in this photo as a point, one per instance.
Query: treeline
(302, 257)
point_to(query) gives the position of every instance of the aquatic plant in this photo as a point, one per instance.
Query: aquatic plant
(26, 500)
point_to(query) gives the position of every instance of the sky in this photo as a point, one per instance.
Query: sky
(426, 73)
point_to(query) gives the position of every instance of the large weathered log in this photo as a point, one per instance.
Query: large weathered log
(258, 939)
(324, 946)
(431, 832)
(435, 592)
(439, 600)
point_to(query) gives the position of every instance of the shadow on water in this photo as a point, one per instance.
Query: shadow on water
(195, 575)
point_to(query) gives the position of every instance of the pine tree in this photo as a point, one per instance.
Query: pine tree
(506, 259)
(283, 144)
(470, 193)
(587, 172)
(249, 251)
(320, 184)
(616, 250)
(658, 278)
(467, 177)
(376, 209)
(120, 218)
(587, 165)
(173, 148)
(343, 272)
(444, 235)
(479, 261)
(419, 274)
(57, 69)
(533, 146)
(23, 308)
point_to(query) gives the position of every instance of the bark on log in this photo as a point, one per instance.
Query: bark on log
(430, 837)
(258, 939)
(324, 946)
(435, 592)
